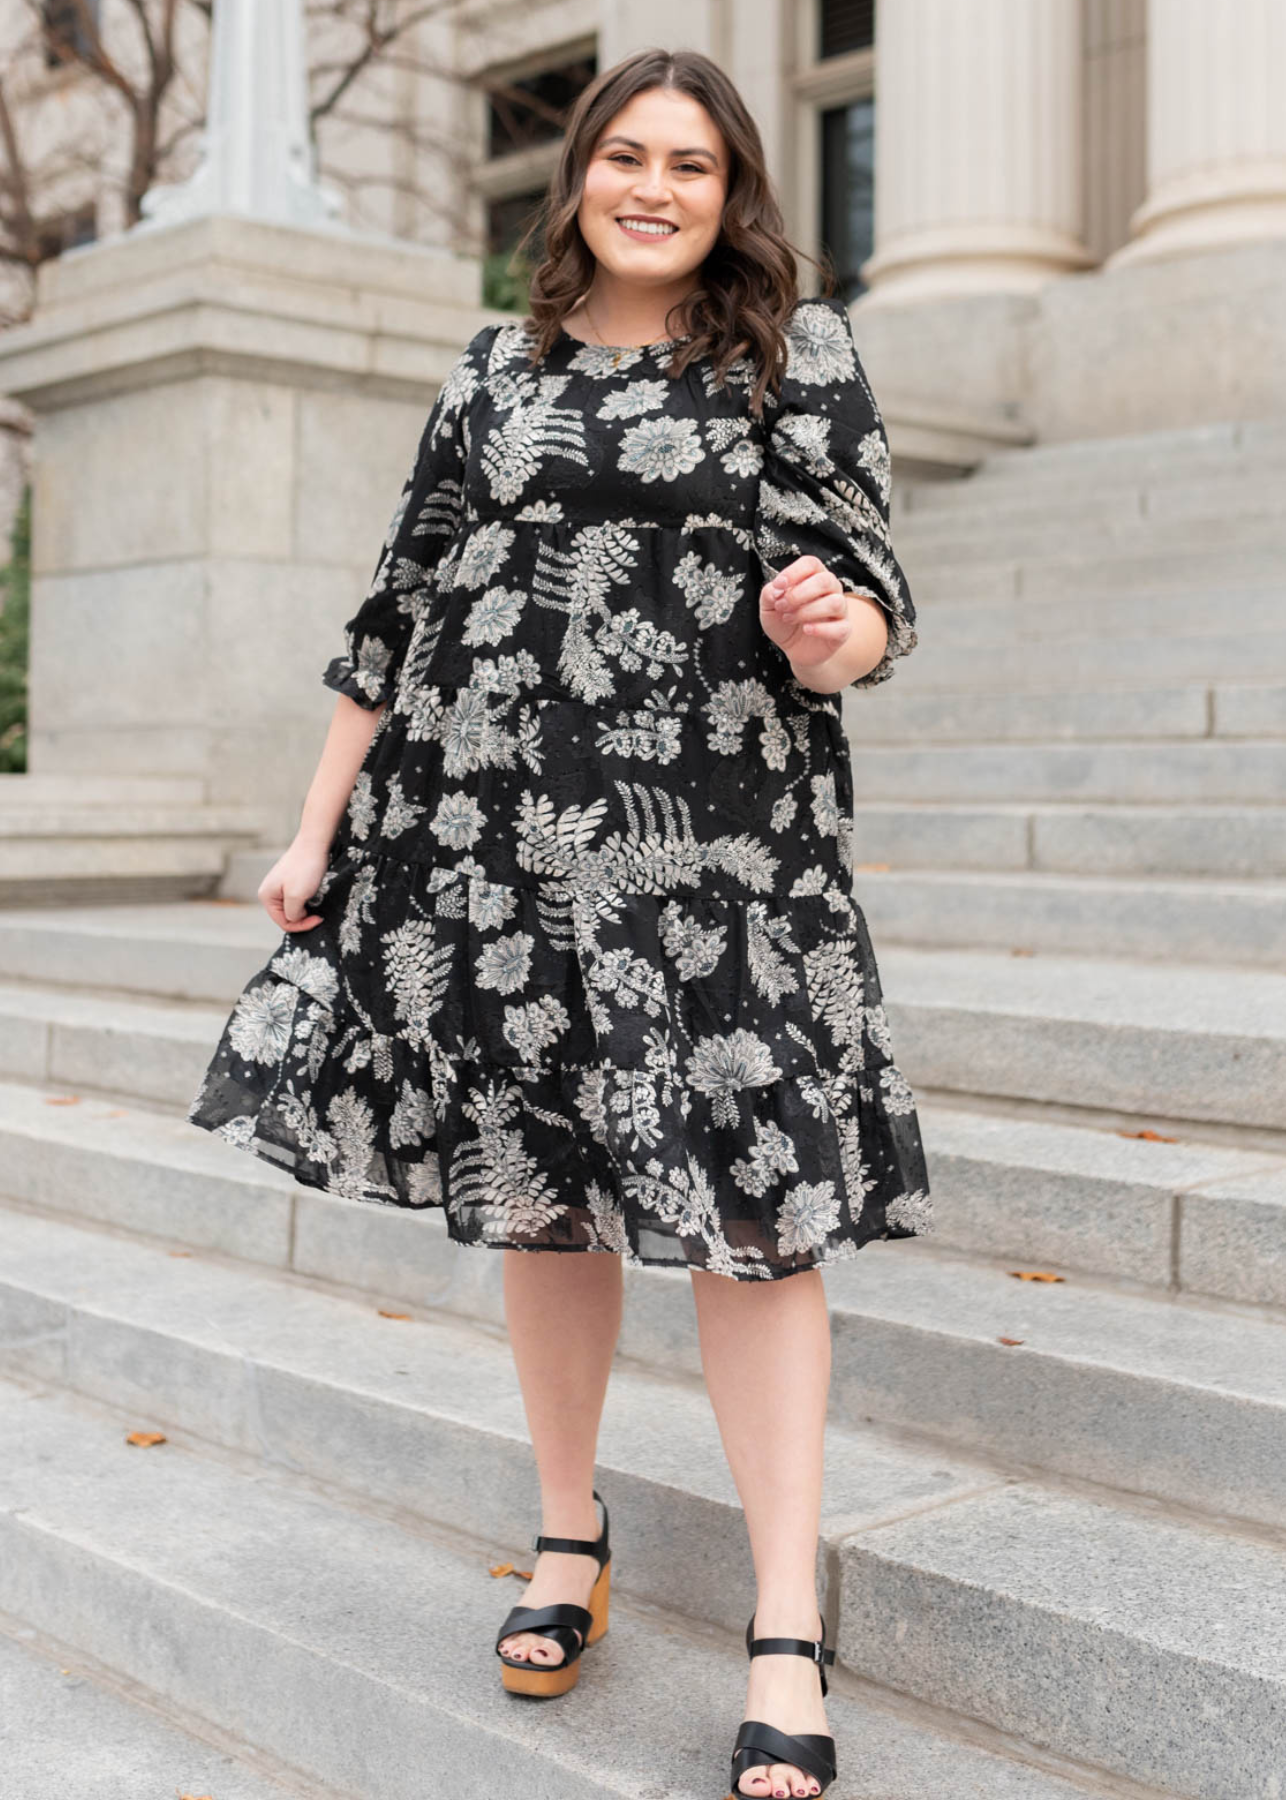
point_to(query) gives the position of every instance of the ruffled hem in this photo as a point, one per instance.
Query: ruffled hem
(534, 1179)
(710, 1088)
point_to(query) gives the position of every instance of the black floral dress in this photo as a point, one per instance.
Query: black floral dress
(590, 974)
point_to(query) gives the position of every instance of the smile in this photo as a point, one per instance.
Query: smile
(640, 228)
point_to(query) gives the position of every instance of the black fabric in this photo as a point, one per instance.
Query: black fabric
(590, 973)
(758, 1744)
(563, 1624)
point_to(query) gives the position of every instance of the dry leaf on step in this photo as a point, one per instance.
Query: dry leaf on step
(1036, 1275)
(386, 1314)
(145, 1438)
(1154, 1137)
(1009, 1340)
(62, 1099)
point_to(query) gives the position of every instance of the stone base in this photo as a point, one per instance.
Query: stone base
(1141, 345)
(226, 412)
(950, 376)
(1191, 339)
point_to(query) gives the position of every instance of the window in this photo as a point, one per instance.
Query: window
(844, 25)
(504, 276)
(532, 109)
(847, 159)
(65, 29)
(526, 111)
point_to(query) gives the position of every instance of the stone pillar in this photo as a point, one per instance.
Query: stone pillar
(1216, 127)
(225, 414)
(979, 184)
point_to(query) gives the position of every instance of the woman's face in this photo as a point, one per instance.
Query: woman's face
(661, 158)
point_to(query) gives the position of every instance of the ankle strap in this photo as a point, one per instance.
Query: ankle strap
(597, 1547)
(783, 1646)
(815, 1649)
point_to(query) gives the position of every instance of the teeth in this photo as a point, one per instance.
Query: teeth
(654, 230)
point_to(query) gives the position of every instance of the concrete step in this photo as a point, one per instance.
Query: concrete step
(1179, 1215)
(354, 1644)
(114, 839)
(1001, 618)
(201, 950)
(1157, 1646)
(1060, 531)
(1168, 770)
(1197, 450)
(892, 714)
(1173, 921)
(83, 1732)
(1167, 1041)
(896, 714)
(1177, 1400)
(1222, 488)
(79, 791)
(1188, 1216)
(1192, 1042)
(1232, 842)
(1146, 569)
(107, 1042)
(301, 1379)
(972, 664)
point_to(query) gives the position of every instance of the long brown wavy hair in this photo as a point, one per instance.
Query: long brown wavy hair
(748, 281)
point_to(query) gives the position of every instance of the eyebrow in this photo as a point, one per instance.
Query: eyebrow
(695, 150)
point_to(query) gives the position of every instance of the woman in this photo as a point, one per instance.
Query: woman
(585, 968)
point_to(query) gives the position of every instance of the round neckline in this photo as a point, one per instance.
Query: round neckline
(656, 343)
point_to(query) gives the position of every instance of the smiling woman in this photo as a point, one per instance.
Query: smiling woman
(585, 968)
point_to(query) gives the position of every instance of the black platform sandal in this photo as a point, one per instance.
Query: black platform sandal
(571, 1627)
(760, 1745)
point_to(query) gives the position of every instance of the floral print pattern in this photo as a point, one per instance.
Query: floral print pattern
(590, 974)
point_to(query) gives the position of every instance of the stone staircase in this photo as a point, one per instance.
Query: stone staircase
(1053, 1550)
(82, 839)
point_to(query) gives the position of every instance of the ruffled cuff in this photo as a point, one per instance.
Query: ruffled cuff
(802, 514)
(368, 680)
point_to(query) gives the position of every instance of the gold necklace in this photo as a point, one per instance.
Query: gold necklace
(598, 334)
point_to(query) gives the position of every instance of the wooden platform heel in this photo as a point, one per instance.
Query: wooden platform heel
(760, 1744)
(570, 1626)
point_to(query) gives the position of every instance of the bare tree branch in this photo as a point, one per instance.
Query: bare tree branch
(153, 104)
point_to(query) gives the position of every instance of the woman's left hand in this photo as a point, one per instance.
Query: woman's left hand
(806, 612)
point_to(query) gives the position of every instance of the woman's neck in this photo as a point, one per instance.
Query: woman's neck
(626, 312)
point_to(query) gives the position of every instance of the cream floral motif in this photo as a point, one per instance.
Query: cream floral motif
(589, 973)
(661, 449)
(261, 1023)
(809, 1213)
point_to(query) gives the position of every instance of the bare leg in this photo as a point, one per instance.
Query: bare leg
(563, 1311)
(766, 1354)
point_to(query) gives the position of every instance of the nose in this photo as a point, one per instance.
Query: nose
(653, 187)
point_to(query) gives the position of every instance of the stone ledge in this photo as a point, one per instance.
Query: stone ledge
(234, 297)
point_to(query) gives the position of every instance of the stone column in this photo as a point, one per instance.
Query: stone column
(979, 185)
(1216, 127)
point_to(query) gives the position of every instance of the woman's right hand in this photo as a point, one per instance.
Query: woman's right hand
(290, 882)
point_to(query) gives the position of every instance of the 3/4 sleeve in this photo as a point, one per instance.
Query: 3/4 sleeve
(426, 518)
(825, 484)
